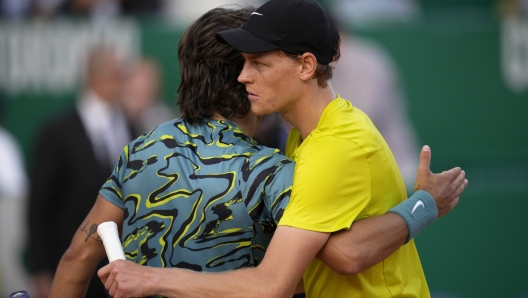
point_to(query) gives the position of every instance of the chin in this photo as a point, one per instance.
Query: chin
(262, 111)
(258, 112)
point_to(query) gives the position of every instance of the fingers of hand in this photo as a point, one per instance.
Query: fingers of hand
(453, 173)
(110, 281)
(454, 202)
(113, 289)
(460, 187)
(459, 181)
(103, 273)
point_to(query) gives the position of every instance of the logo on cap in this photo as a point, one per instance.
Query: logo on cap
(256, 13)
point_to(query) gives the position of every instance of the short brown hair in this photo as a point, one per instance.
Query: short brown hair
(209, 70)
(323, 72)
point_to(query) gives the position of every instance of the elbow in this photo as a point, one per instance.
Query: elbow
(262, 292)
(81, 254)
(349, 269)
(72, 255)
(349, 263)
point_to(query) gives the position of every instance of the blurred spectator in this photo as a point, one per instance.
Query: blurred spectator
(98, 9)
(94, 8)
(14, 9)
(73, 157)
(365, 11)
(13, 201)
(366, 76)
(141, 99)
(184, 11)
(513, 7)
(141, 7)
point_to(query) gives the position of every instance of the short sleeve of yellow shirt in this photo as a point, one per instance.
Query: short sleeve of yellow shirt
(329, 188)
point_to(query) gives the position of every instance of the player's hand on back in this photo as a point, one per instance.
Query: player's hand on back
(445, 187)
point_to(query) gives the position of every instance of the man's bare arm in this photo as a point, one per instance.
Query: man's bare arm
(86, 250)
(291, 250)
(371, 240)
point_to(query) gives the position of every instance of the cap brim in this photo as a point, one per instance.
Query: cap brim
(245, 41)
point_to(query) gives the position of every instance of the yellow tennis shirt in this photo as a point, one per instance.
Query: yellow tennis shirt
(345, 172)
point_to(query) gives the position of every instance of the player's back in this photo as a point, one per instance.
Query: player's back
(200, 196)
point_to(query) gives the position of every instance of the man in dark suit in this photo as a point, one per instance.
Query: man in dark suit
(73, 157)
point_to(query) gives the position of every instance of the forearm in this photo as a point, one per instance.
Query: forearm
(86, 251)
(241, 283)
(128, 279)
(371, 240)
(290, 252)
(300, 287)
(368, 242)
(73, 275)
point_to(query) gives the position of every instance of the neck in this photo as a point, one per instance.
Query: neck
(248, 123)
(101, 95)
(307, 110)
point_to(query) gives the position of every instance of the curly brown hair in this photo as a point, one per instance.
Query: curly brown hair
(209, 69)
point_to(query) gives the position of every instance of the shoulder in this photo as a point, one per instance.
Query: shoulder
(165, 132)
(270, 156)
(344, 121)
(268, 164)
(329, 147)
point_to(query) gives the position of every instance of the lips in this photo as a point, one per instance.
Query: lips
(252, 96)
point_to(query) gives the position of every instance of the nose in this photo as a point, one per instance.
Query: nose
(244, 74)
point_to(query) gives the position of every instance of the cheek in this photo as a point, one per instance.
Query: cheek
(278, 83)
(283, 86)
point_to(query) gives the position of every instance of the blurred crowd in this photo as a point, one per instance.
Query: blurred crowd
(73, 156)
(20, 9)
(354, 11)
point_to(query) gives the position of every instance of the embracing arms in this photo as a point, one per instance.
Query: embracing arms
(290, 252)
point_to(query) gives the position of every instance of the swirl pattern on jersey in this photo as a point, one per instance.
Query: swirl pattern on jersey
(199, 196)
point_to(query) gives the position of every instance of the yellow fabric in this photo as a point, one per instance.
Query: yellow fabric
(345, 172)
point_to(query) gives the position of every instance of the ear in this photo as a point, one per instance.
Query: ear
(308, 66)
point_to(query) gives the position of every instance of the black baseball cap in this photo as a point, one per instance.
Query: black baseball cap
(296, 26)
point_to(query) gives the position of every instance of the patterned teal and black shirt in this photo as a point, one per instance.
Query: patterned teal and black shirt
(204, 197)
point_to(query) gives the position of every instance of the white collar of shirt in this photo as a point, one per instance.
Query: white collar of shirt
(95, 113)
(105, 125)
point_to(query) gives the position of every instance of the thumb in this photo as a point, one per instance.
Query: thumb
(425, 159)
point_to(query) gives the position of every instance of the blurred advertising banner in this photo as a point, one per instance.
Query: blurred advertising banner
(47, 58)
